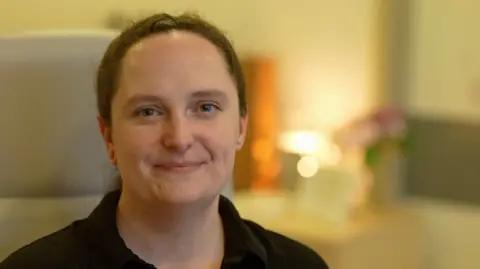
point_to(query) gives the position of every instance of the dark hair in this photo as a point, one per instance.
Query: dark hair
(109, 69)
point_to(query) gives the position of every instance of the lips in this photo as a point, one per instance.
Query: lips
(179, 167)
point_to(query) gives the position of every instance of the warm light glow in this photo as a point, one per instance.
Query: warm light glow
(301, 142)
(307, 166)
(312, 144)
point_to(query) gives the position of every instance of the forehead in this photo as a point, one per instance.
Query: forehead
(175, 54)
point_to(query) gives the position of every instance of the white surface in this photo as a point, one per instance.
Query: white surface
(369, 240)
(451, 234)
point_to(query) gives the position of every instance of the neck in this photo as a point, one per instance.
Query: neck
(172, 236)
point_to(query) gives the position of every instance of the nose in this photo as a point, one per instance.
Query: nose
(177, 134)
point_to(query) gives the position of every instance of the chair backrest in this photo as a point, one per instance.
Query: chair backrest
(53, 164)
(49, 140)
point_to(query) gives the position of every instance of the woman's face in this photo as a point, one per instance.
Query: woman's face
(175, 123)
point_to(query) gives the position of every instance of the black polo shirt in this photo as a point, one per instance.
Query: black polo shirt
(95, 243)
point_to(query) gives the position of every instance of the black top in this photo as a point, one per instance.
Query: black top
(95, 243)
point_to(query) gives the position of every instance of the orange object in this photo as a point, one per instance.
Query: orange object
(257, 165)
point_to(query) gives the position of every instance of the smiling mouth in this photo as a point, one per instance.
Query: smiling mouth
(179, 167)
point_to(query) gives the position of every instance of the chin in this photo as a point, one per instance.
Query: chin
(183, 195)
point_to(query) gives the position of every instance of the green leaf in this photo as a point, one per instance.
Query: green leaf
(372, 155)
(406, 143)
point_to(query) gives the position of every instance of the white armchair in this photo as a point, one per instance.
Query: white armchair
(53, 164)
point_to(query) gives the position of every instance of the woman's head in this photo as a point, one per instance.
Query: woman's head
(172, 110)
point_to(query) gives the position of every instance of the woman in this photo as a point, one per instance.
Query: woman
(172, 112)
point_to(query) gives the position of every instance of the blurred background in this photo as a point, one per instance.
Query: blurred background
(364, 116)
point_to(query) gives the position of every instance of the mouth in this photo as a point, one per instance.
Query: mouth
(179, 167)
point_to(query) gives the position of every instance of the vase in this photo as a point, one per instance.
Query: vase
(385, 191)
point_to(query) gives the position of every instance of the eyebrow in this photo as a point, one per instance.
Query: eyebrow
(210, 93)
(142, 98)
(201, 94)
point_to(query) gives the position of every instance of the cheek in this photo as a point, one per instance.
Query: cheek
(222, 141)
(130, 141)
(225, 133)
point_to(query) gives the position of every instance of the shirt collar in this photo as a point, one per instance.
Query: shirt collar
(240, 240)
(102, 236)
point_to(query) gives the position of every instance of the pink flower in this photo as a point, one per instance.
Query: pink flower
(361, 133)
(391, 121)
(358, 135)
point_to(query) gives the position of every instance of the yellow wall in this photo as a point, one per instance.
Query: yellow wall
(445, 66)
(20, 15)
(444, 72)
(324, 47)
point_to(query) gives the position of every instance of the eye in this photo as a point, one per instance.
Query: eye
(208, 108)
(147, 112)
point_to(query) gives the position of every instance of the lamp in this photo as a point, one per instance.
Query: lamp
(322, 185)
(307, 151)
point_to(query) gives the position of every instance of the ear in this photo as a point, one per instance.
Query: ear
(106, 132)
(242, 131)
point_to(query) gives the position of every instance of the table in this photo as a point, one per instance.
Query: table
(370, 240)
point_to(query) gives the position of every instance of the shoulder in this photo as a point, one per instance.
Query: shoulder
(58, 250)
(286, 252)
